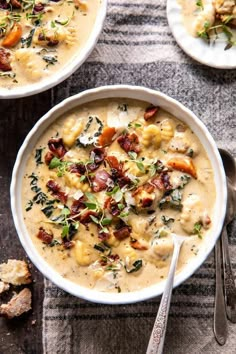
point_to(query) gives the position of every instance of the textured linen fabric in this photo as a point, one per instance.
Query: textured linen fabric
(137, 47)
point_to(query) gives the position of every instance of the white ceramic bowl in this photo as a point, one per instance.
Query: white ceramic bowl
(141, 93)
(66, 70)
(212, 54)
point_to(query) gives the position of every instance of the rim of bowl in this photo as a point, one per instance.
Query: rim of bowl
(66, 70)
(116, 91)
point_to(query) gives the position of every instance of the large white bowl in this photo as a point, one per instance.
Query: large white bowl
(68, 69)
(156, 98)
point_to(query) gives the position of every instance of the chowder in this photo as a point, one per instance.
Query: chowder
(105, 186)
(40, 37)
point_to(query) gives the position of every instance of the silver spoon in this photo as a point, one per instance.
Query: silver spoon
(156, 342)
(229, 283)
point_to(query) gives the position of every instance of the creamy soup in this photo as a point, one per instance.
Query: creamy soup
(107, 184)
(210, 19)
(40, 37)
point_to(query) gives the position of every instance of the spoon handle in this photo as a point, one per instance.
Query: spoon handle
(156, 342)
(229, 284)
(220, 319)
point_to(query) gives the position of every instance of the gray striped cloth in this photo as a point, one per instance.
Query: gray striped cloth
(137, 47)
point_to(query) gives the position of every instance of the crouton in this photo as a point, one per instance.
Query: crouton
(18, 304)
(4, 287)
(15, 272)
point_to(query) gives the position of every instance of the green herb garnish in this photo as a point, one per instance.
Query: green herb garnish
(136, 266)
(38, 156)
(197, 229)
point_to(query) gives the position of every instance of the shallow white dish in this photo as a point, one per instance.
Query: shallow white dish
(67, 69)
(133, 92)
(212, 55)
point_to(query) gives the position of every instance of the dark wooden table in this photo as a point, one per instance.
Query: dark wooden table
(17, 117)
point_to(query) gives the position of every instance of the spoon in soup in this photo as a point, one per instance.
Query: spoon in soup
(156, 342)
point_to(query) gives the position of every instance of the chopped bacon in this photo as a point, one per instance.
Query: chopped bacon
(56, 191)
(162, 182)
(57, 147)
(115, 164)
(85, 217)
(48, 157)
(165, 178)
(137, 245)
(150, 112)
(112, 206)
(77, 206)
(68, 244)
(97, 155)
(123, 181)
(78, 168)
(15, 4)
(4, 4)
(103, 236)
(99, 181)
(129, 142)
(38, 8)
(4, 60)
(144, 198)
(147, 187)
(44, 236)
(147, 202)
(123, 232)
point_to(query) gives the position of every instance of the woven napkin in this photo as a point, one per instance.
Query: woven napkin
(136, 47)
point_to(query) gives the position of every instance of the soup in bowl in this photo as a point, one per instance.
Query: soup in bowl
(43, 42)
(102, 181)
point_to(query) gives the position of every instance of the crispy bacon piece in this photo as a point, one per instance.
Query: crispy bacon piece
(146, 187)
(68, 244)
(147, 202)
(44, 236)
(4, 60)
(129, 142)
(124, 181)
(162, 182)
(56, 191)
(15, 4)
(99, 181)
(97, 155)
(123, 232)
(85, 217)
(77, 206)
(4, 4)
(150, 112)
(103, 236)
(38, 8)
(78, 168)
(48, 157)
(57, 147)
(115, 165)
(109, 260)
(137, 245)
(144, 199)
(112, 206)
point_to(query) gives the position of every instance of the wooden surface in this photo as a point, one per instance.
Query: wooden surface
(17, 117)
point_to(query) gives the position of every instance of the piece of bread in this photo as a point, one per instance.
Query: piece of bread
(15, 272)
(19, 304)
(4, 287)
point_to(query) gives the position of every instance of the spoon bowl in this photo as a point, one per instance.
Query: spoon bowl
(229, 166)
